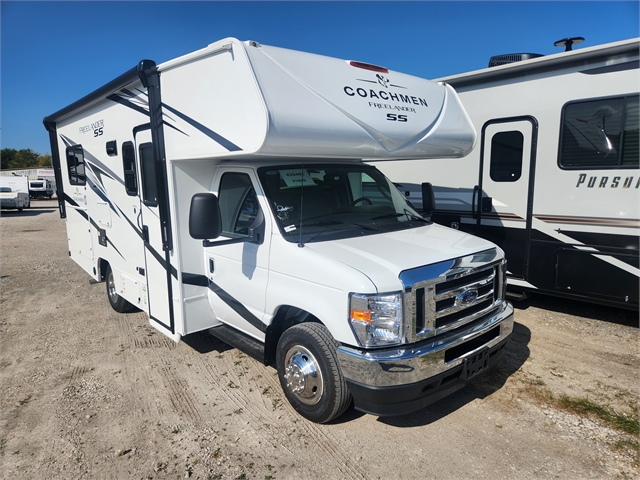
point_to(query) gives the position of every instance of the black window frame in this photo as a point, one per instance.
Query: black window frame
(620, 146)
(76, 178)
(148, 175)
(129, 169)
(498, 174)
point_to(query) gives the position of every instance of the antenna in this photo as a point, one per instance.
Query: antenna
(568, 43)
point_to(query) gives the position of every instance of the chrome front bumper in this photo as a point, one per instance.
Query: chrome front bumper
(391, 367)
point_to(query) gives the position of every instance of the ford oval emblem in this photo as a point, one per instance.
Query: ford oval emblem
(467, 297)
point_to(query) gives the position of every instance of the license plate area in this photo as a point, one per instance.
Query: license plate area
(475, 364)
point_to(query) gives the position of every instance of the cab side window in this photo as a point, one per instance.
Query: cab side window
(238, 204)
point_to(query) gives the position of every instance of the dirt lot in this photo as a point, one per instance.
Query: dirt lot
(90, 393)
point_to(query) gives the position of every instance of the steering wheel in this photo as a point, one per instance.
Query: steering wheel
(361, 199)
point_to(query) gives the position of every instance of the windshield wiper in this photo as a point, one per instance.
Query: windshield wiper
(328, 223)
(410, 216)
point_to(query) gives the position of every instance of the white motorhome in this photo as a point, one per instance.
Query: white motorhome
(40, 188)
(14, 192)
(225, 191)
(554, 177)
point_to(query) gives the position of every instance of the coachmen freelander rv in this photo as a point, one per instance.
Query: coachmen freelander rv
(225, 191)
(554, 177)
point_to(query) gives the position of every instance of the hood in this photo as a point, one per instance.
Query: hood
(382, 257)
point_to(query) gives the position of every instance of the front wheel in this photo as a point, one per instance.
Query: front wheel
(309, 372)
(118, 303)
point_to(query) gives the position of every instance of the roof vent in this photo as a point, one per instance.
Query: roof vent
(511, 58)
(568, 43)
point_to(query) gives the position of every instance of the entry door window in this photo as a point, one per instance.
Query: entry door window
(238, 204)
(506, 156)
(149, 179)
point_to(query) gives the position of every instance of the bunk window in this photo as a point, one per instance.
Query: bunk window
(600, 133)
(506, 156)
(149, 179)
(129, 164)
(75, 164)
(238, 204)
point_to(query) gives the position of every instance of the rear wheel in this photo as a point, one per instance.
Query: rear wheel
(309, 372)
(118, 303)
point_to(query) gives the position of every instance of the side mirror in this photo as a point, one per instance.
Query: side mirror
(428, 199)
(204, 217)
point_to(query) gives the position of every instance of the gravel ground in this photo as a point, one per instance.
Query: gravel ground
(90, 393)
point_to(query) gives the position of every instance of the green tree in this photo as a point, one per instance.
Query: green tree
(25, 158)
(44, 160)
(7, 157)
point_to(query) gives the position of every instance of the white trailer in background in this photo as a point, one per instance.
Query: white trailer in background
(225, 191)
(554, 177)
(14, 192)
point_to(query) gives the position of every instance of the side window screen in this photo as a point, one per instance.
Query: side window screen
(506, 156)
(238, 204)
(75, 164)
(600, 133)
(129, 164)
(149, 181)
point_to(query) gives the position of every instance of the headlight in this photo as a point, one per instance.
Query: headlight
(377, 319)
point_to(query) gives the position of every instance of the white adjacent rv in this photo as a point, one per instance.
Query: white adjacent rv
(14, 192)
(553, 179)
(225, 191)
(40, 188)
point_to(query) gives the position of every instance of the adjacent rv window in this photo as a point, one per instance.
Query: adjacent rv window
(129, 163)
(149, 179)
(238, 204)
(600, 133)
(75, 164)
(506, 156)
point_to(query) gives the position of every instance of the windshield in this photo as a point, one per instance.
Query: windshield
(324, 202)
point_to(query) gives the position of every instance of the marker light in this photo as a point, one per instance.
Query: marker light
(368, 66)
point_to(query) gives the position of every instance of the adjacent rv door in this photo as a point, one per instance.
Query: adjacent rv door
(504, 197)
(158, 269)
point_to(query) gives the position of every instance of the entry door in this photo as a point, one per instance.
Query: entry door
(238, 272)
(505, 196)
(158, 270)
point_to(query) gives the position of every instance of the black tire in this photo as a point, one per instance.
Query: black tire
(118, 303)
(309, 372)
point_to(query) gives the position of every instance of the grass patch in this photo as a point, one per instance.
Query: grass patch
(585, 407)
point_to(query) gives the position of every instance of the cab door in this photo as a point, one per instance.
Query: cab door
(238, 272)
(504, 197)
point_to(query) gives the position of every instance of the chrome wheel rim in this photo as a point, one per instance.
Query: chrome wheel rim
(111, 288)
(302, 375)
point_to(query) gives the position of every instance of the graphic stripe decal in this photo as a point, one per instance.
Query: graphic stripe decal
(600, 221)
(236, 306)
(232, 147)
(138, 108)
(84, 214)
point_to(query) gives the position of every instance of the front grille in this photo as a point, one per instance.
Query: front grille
(445, 296)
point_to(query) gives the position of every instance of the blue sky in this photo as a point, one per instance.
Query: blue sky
(54, 53)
